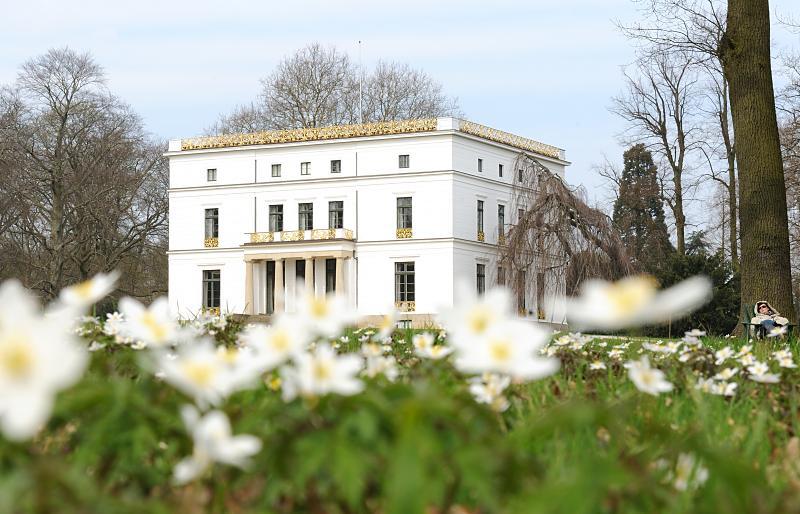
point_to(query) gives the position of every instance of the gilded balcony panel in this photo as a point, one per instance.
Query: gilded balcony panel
(326, 233)
(211, 242)
(293, 235)
(481, 236)
(403, 233)
(262, 237)
(501, 239)
(347, 233)
(405, 306)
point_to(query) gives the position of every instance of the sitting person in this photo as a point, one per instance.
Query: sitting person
(767, 318)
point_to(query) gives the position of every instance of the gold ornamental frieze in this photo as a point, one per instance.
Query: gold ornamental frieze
(403, 233)
(211, 242)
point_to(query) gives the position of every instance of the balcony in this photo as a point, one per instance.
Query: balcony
(403, 233)
(301, 235)
(211, 242)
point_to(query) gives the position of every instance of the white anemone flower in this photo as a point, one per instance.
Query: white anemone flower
(320, 372)
(511, 348)
(597, 365)
(424, 347)
(213, 442)
(386, 325)
(646, 379)
(113, 323)
(724, 388)
(759, 372)
(324, 315)
(723, 355)
(154, 325)
(634, 301)
(275, 344)
(209, 376)
(39, 356)
(488, 389)
(473, 316)
(695, 333)
(786, 362)
(381, 365)
(689, 473)
(777, 331)
(726, 374)
(84, 294)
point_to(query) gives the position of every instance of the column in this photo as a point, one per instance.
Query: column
(248, 287)
(310, 277)
(279, 292)
(340, 276)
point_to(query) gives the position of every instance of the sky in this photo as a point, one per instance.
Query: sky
(544, 70)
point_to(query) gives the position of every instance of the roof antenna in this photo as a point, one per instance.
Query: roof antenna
(360, 86)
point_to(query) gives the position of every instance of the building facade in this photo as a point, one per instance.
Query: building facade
(387, 215)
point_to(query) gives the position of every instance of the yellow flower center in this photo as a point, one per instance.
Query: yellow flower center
(319, 307)
(84, 289)
(16, 356)
(280, 341)
(628, 295)
(500, 350)
(157, 330)
(322, 371)
(200, 373)
(479, 320)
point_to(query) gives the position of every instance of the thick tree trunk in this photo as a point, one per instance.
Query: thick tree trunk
(762, 192)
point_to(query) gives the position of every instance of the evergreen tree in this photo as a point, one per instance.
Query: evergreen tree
(639, 211)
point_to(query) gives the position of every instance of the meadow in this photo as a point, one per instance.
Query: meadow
(398, 421)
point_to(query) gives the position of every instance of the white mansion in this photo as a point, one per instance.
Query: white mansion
(392, 213)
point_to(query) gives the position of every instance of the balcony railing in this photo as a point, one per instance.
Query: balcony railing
(481, 236)
(211, 242)
(301, 235)
(405, 306)
(403, 233)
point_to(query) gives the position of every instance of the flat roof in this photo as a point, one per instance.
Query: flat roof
(367, 130)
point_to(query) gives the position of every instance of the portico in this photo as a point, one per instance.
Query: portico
(279, 269)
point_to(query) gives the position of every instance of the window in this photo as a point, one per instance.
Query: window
(306, 216)
(519, 175)
(500, 170)
(276, 170)
(212, 222)
(501, 220)
(404, 212)
(276, 218)
(211, 289)
(330, 276)
(480, 165)
(501, 276)
(404, 161)
(300, 271)
(480, 275)
(336, 166)
(211, 174)
(520, 215)
(335, 214)
(480, 216)
(305, 168)
(404, 282)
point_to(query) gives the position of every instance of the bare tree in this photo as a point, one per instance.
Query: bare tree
(318, 86)
(81, 171)
(558, 241)
(657, 104)
(746, 60)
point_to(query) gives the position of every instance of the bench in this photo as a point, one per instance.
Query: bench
(747, 315)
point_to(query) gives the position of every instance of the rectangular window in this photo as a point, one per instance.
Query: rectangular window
(305, 168)
(276, 170)
(330, 276)
(212, 222)
(211, 297)
(501, 220)
(404, 212)
(520, 215)
(404, 161)
(480, 215)
(480, 275)
(336, 214)
(519, 175)
(211, 174)
(276, 218)
(336, 166)
(305, 213)
(501, 276)
(404, 282)
(500, 170)
(480, 165)
(300, 271)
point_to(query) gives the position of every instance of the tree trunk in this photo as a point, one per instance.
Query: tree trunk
(730, 155)
(762, 192)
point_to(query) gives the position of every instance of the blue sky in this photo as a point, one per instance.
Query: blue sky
(545, 70)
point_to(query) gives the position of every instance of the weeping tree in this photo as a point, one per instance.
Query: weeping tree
(558, 240)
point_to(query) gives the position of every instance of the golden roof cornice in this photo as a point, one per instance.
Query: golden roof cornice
(381, 128)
